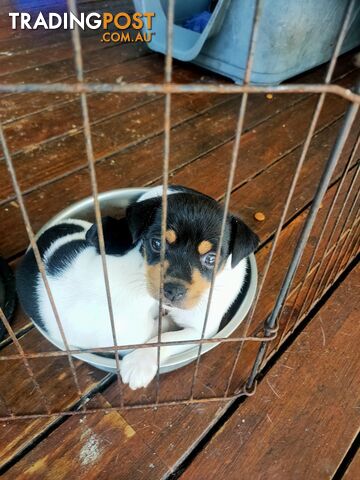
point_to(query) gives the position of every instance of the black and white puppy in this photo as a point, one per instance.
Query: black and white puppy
(70, 251)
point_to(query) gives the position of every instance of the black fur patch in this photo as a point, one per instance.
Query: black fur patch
(55, 232)
(117, 236)
(64, 256)
(27, 271)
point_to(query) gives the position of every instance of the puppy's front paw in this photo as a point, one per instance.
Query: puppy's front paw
(139, 367)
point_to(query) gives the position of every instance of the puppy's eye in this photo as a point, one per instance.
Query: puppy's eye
(208, 260)
(155, 244)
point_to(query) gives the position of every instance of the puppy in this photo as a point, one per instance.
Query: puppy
(70, 252)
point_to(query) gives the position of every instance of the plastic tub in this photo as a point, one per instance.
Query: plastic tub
(293, 35)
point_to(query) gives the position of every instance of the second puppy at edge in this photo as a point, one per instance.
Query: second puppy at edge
(71, 255)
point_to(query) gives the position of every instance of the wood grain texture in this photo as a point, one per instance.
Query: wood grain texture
(353, 470)
(43, 53)
(302, 419)
(21, 105)
(18, 392)
(87, 441)
(121, 170)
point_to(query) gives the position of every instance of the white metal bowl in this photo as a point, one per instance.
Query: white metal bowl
(112, 203)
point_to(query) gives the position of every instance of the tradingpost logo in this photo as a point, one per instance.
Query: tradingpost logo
(121, 27)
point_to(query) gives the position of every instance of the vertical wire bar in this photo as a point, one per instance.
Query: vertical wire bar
(75, 34)
(349, 250)
(299, 166)
(25, 361)
(323, 228)
(310, 219)
(312, 303)
(39, 262)
(350, 241)
(166, 159)
(342, 230)
(342, 255)
(344, 237)
(340, 236)
(355, 249)
(354, 151)
(231, 175)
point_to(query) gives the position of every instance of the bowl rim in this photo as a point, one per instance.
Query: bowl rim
(178, 359)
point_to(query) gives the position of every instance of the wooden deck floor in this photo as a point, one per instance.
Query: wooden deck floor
(304, 420)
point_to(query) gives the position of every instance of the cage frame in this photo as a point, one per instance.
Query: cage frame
(348, 249)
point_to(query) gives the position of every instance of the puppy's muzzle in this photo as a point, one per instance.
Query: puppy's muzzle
(174, 292)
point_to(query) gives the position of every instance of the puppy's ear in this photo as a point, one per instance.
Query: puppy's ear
(139, 216)
(243, 240)
(117, 236)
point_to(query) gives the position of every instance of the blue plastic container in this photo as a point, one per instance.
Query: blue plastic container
(293, 35)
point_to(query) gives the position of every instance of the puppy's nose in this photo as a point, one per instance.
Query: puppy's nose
(174, 291)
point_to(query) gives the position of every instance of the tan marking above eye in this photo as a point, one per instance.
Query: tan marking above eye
(204, 247)
(170, 236)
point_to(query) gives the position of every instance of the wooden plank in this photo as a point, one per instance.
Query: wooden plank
(88, 439)
(134, 126)
(13, 106)
(163, 429)
(70, 191)
(121, 170)
(19, 394)
(353, 470)
(19, 105)
(302, 419)
(272, 139)
(64, 70)
(56, 121)
(45, 54)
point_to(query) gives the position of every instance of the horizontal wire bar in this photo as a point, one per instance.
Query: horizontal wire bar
(106, 410)
(60, 353)
(81, 87)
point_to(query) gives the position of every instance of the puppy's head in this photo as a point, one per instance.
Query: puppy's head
(192, 235)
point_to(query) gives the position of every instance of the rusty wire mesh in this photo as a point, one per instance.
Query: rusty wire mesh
(342, 243)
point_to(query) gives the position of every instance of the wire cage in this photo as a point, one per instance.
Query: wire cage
(325, 245)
